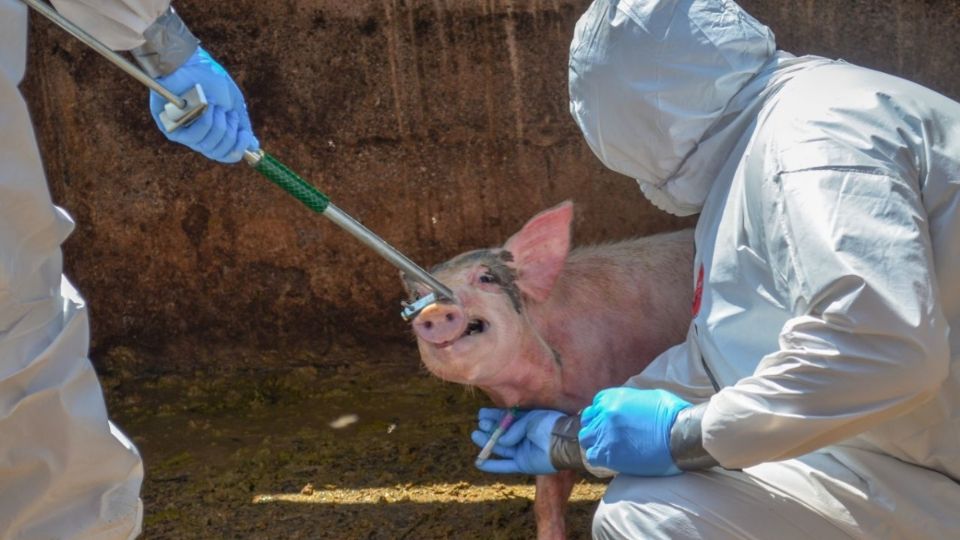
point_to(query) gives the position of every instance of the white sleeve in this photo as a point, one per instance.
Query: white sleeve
(119, 24)
(868, 340)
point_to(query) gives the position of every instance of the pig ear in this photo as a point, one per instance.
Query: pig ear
(540, 249)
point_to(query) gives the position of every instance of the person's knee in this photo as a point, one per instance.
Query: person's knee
(637, 508)
(608, 521)
(710, 504)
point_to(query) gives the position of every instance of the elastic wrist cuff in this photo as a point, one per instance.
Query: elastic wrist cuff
(169, 44)
(686, 440)
(564, 444)
(565, 450)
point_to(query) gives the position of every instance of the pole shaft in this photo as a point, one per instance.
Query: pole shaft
(303, 191)
(385, 250)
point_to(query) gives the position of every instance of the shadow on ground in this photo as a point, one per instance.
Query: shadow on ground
(348, 444)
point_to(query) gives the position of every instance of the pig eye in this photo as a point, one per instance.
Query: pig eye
(488, 278)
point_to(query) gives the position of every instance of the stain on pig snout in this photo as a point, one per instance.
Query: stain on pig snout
(506, 278)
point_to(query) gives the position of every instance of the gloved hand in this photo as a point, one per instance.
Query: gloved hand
(628, 430)
(223, 131)
(525, 444)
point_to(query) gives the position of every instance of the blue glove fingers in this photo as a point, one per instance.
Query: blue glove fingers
(608, 397)
(489, 418)
(592, 454)
(230, 137)
(589, 428)
(589, 437)
(480, 439)
(245, 141)
(513, 435)
(216, 133)
(594, 418)
(517, 431)
(588, 414)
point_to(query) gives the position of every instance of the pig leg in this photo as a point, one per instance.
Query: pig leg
(550, 504)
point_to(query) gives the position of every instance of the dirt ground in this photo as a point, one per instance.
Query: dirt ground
(352, 443)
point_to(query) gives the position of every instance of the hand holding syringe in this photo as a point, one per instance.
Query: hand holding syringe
(519, 439)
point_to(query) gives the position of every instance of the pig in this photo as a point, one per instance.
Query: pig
(537, 325)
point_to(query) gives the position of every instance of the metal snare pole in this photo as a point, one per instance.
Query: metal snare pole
(183, 110)
(279, 174)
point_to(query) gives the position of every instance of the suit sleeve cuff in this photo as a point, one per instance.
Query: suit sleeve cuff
(686, 440)
(168, 45)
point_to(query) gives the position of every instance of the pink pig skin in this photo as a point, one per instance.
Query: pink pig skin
(540, 326)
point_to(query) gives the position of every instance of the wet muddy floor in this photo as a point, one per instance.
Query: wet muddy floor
(347, 444)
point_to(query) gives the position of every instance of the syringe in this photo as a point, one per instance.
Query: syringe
(501, 428)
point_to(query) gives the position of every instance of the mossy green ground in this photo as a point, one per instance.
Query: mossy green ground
(347, 444)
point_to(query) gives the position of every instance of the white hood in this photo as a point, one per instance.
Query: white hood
(649, 78)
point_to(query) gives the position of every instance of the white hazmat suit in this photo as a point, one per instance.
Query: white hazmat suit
(827, 249)
(65, 470)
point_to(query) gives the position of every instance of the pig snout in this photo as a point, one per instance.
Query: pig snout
(440, 323)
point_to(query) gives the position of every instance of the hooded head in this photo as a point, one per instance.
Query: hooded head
(648, 78)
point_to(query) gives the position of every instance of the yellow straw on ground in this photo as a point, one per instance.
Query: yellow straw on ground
(462, 492)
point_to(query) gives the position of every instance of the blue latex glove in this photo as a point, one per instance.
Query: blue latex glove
(628, 430)
(525, 444)
(223, 131)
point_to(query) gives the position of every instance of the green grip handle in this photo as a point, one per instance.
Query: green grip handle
(281, 175)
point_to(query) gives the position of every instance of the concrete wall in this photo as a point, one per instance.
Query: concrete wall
(440, 124)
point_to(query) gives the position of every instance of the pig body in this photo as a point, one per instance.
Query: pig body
(540, 326)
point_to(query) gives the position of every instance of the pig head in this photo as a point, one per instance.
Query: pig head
(535, 324)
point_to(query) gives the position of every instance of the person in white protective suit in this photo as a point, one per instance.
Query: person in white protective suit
(818, 392)
(65, 470)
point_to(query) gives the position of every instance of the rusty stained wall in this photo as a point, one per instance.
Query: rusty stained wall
(440, 124)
